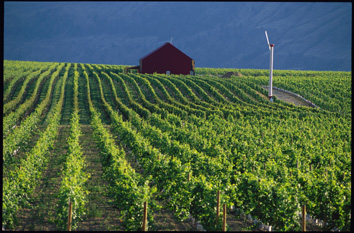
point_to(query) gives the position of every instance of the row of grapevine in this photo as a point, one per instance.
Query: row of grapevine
(184, 113)
(10, 120)
(147, 104)
(241, 94)
(191, 136)
(128, 188)
(190, 106)
(227, 112)
(252, 90)
(132, 103)
(329, 97)
(163, 139)
(21, 182)
(216, 108)
(14, 102)
(169, 174)
(13, 70)
(180, 110)
(21, 133)
(72, 187)
(14, 83)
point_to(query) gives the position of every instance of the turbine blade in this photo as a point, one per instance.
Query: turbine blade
(267, 39)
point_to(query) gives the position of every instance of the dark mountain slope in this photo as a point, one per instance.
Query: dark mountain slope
(307, 36)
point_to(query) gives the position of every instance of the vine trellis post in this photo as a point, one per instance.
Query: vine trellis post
(224, 219)
(303, 225)
(70, 215)
(145, 216)
(217, 207)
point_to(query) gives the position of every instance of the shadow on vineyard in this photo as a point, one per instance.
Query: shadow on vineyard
(107, 142)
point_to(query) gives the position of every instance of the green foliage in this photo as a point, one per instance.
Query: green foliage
(72, 187)
(10, 119)
(266, 158)
(128, 188)
(16, 137)
(21, 182)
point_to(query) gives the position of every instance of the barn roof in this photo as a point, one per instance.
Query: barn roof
(167, 44)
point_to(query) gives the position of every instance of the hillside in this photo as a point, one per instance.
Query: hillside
(307, 36)
(111, 143)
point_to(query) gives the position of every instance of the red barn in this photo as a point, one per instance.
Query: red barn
(166, 59)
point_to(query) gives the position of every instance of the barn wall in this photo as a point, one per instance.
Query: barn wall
(164, 59)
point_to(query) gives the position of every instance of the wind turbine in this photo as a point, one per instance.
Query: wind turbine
(270, 88)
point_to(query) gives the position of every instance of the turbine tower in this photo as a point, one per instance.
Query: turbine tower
(270, 88)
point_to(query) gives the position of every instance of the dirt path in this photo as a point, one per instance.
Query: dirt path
(166, 221)
(286, 97)
(237, 223)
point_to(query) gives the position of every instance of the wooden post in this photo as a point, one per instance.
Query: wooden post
(224, 220)
(145, 216)
(217, 207)
(303, 226)
(297, 164)
(70, 213)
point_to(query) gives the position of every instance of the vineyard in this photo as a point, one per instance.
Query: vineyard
(99, 138)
